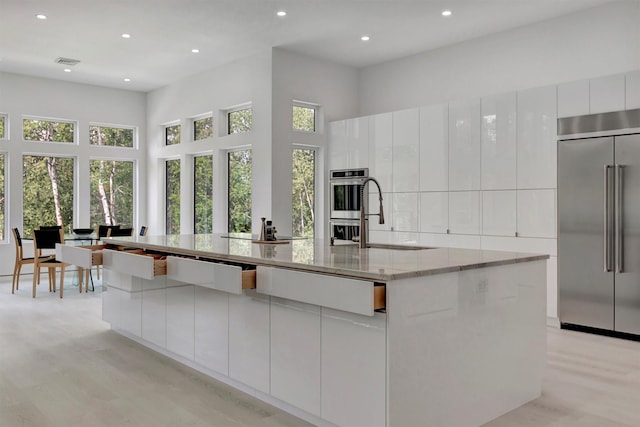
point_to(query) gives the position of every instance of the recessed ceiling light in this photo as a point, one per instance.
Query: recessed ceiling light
(41, 16)
(67, 70)
(127, 79)
(365, 38)
(126, 36)
(281, 13)
(446, 13)
(195, 50)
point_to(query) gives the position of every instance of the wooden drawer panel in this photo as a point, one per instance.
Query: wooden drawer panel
(221, 277)
(82, 256)
(137, 264)
(340, 293)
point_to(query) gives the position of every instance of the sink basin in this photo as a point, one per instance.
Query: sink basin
(397, 247)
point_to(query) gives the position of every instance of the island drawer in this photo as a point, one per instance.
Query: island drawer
(135, 263)
(340, 293)
(211, 274)
(83, 256)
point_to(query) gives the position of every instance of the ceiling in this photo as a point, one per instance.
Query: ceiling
(163, 33)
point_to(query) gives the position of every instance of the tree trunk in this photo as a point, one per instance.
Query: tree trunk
(112, 193)
(103, 196)
(51, 167)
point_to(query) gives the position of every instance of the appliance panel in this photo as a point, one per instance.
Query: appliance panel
(586, 294)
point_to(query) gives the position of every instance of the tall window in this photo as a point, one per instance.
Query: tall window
(239, 191)
(304, 117)
(111, 192)
(303, 200)
(172, 135)
(2, 193)
(172, 177)
(3, 126)
(202, 128)
(47, 131)
(111, 136)
(47, 192)
(203, 194)
(240, 120)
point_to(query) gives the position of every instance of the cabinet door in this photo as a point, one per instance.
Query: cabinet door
(499, 213)
(434, 212)
(180, 323)
(358, 142)
(295, 354)
(632, 85)
(154, 311)
(607, 94)
(212, 329)
(353, 369)
(434, 148)
(573, 98)
(406, 143)
(464, 212)
(464, 145)
(405, 212)
(499, 142)
(381, 150)
(537, 213)
(338, 145)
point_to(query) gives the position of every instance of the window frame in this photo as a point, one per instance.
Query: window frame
(227, 154)
(316, 151)
(193, 126)
(164, 133)
(134, 136)
(5, 118)
(228, 112)
(195, 156)
(134, 184)
(54, 120)
(166, 193)
(316, 115)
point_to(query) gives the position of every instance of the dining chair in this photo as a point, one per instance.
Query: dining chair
(120, 232)
(143, 230)
(20, 260)
(47, 239)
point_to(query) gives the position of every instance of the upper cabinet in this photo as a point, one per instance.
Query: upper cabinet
(601, 95)
(573, 99)
(338, 145)
(606, 94)
(406, 148)
(381, 150)
(358, 142)
(498, 142)
(632, 90)
(464, 145)
(434, 148)
(536, 142)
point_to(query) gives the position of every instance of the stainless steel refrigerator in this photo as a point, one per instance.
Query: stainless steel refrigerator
(599, 233)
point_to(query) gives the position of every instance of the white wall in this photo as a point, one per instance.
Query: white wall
(595, 42)
(29, 96)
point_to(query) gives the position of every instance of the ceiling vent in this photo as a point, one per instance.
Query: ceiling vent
(66, 61)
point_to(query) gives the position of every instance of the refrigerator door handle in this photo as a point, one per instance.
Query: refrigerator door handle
(618, 206)
(607, 219)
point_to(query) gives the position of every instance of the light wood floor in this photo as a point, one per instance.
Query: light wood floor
(60, 365)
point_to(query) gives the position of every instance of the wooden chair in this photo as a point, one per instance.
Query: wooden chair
(118, 232)
(20, 260)
(47, 239)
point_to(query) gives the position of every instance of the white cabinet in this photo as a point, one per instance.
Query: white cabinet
(464, 145)
(434, 212)
(464, 212)
(249, 339)
(499, 213)
(357, 142)
(338, 145)
(212, 329)
(180, 322)
(374, 207)
(381, 150)
(536, 213)
(405, 212)
(573, 98)
(632, 85)
(353, 371)
(498, 142)
(607, 94)
(154, 311)
(295, 354)
(536, 147)
(434, 148)
(406, 142)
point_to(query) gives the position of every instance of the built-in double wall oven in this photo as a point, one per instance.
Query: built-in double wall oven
(345, 186)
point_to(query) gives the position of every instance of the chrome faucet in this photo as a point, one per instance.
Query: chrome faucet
(363, 216)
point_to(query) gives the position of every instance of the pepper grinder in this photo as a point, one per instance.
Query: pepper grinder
(263, 229)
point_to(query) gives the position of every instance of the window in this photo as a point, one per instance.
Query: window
(172, 135)
(240, 120)
(239, 191)
(303, 198)
(47, 192)
(48, 131)
(111, 136)
(203, 194)
(3, 126)
(111, 192)
(304, 117)
(172, 177)
(202, 128)
(2, 197)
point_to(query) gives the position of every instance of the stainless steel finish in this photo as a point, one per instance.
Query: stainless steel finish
(344, 229)
(364, 224)
(344, 193)
(627, 119)
(607, 219)
(619, 248)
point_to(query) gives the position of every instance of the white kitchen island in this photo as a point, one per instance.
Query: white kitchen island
(337, 335)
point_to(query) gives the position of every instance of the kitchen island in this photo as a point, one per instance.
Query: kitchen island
(337, 335)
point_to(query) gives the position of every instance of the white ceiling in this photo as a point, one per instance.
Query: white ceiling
(163, 32)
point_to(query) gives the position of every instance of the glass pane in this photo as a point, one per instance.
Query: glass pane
(111, 193)
(3, 121)
(303, 198)
(203, 194)
(114, 137)
(47, 192)
(47, 131)
(304, 118)
(173, 196)
(240, 191)
(202, 128)
(172, 135)
(2, 204)
(240, 121)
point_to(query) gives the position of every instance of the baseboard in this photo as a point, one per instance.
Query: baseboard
(553, 322)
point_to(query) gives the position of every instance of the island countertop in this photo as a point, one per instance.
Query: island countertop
(316, 255)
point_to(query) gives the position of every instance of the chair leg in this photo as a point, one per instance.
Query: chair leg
(36, 272)
(80, 274)
(18, 276)
(87, 276)
(52, 279)
(98, 271)
(13, 281)
(61, 280)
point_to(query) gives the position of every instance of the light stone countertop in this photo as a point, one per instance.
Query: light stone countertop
(316, 255)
